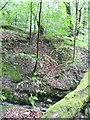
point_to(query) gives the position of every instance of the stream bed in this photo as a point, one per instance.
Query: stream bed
(6, 105)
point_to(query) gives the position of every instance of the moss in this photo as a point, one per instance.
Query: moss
(10, 97)
(3, 107)
(18, 100)
(9, 70)
(7, 93)
(71, 103)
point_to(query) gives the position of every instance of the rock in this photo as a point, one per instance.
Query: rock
(27, 106)
(43, 109)
(71, 103)
(7, 104)
(8, 78)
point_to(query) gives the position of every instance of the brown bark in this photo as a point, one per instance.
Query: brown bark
(30, 23)
(77, 2)
(79, 20)
(68, 10)
(4, 6)
(41, 26)
(38, 38)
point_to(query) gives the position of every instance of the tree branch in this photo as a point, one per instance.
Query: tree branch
(4, 6)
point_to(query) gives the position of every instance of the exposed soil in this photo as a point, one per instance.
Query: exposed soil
(21, 113)
(55, 77)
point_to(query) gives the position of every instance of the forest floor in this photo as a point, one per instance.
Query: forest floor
(56, 75)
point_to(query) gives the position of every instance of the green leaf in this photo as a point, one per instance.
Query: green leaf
(49, 100)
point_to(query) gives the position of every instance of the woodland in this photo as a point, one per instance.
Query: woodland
(44, 59)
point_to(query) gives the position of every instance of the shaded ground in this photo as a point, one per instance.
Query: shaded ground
(56, 75)
(21, 113)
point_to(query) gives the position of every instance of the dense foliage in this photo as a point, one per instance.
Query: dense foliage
(55, 17)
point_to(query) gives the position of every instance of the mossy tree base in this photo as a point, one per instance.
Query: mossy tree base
(72, 102)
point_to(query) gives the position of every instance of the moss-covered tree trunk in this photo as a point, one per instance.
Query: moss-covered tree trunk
(72, 102)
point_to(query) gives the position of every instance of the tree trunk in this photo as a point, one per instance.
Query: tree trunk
(84, 14)
(34, 26)
(72, 103)
(3, 6)
(16, 19)
(30, 23)
(77, 2)
(38, 37)
(25, 26)
(89, 34)
(41, 26)
(68, 9)
(35, 20)
(79, 20)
